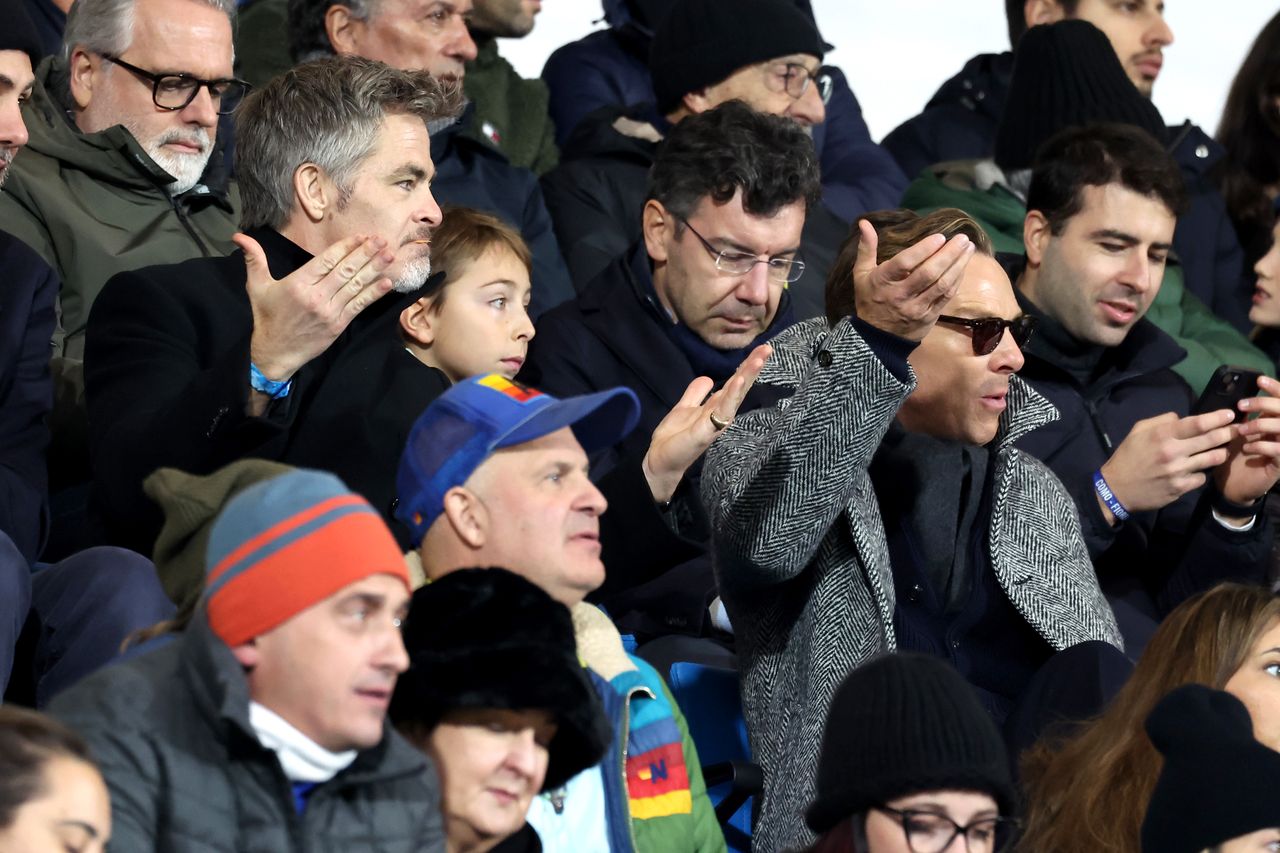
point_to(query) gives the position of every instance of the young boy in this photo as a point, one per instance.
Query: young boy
(477, 320)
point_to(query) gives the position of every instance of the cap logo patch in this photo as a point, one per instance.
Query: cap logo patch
(514, 390)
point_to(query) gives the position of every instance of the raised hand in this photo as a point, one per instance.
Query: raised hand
(905, 294)
(298, 317)
(688, 429)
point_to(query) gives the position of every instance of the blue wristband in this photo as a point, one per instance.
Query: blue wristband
(1108, 496)
(274, 390)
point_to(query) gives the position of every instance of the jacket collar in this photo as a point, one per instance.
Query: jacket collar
(1146, 349)
(982, 86)
(1027, 410)
(1196, 151)
(449, 136)
(113, 155)
(221, 691)
(283, 255)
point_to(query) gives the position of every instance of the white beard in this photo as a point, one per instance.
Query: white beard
(413, 275)
(186, 169)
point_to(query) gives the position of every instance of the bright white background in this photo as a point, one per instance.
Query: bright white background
(897, 52)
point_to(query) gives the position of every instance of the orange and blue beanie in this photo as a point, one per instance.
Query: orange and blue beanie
(286, 544)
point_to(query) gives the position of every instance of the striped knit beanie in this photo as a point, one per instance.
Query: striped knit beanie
(286, 544)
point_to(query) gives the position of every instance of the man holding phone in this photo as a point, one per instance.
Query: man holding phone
(1170, 501)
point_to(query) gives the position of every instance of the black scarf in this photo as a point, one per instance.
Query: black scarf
(934, 487)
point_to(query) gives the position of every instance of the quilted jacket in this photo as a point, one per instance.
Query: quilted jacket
(170, 731)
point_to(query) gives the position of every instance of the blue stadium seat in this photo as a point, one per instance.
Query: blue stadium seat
(712, 705)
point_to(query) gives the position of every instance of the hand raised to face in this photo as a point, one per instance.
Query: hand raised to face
(905, 294)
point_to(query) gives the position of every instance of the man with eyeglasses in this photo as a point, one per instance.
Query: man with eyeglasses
(608, 70)
(1171, 503)
(880, 505)
(287, 349)
(705, 286)
(765, 53)
(122, 170)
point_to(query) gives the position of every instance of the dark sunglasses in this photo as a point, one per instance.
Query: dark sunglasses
(988, 331)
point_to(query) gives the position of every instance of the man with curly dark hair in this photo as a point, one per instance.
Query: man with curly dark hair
(704, 286)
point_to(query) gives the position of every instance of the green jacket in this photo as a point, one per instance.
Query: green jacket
(94, 204)
(1208, 339)
(511, 112)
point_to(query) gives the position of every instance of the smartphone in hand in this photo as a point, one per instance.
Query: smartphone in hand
(1226, 388)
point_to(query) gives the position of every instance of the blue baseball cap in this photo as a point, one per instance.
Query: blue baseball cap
(482, 414)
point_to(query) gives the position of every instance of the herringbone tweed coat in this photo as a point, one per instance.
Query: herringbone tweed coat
(801, 559)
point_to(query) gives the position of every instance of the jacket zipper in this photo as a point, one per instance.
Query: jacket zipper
(626, 737)
(182, 217)
(1096, 417)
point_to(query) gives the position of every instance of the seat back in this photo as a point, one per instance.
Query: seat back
(712, 705)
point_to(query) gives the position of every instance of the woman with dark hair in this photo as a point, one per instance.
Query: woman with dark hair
(911, 762)
(1089, 790)
(1265, 313)
(1249, 177)
(496, 696)
(52, 797)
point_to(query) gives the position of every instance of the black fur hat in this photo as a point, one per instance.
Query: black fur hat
(488, 638)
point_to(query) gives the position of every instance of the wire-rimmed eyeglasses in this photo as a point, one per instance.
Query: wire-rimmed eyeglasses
(782, 270)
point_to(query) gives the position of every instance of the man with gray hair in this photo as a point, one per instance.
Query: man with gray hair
(472, 169)
(121, 170)
(287, 349)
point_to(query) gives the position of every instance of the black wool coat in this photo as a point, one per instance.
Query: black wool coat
(167, 382)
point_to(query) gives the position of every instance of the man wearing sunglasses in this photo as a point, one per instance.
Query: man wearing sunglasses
(880, 506)
(1170, 502)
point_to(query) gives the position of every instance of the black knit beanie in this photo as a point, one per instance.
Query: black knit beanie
(904, 724)
(701, 42)
(1218, 782)
(1066, 74)
(488, 638)
(18, 33)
